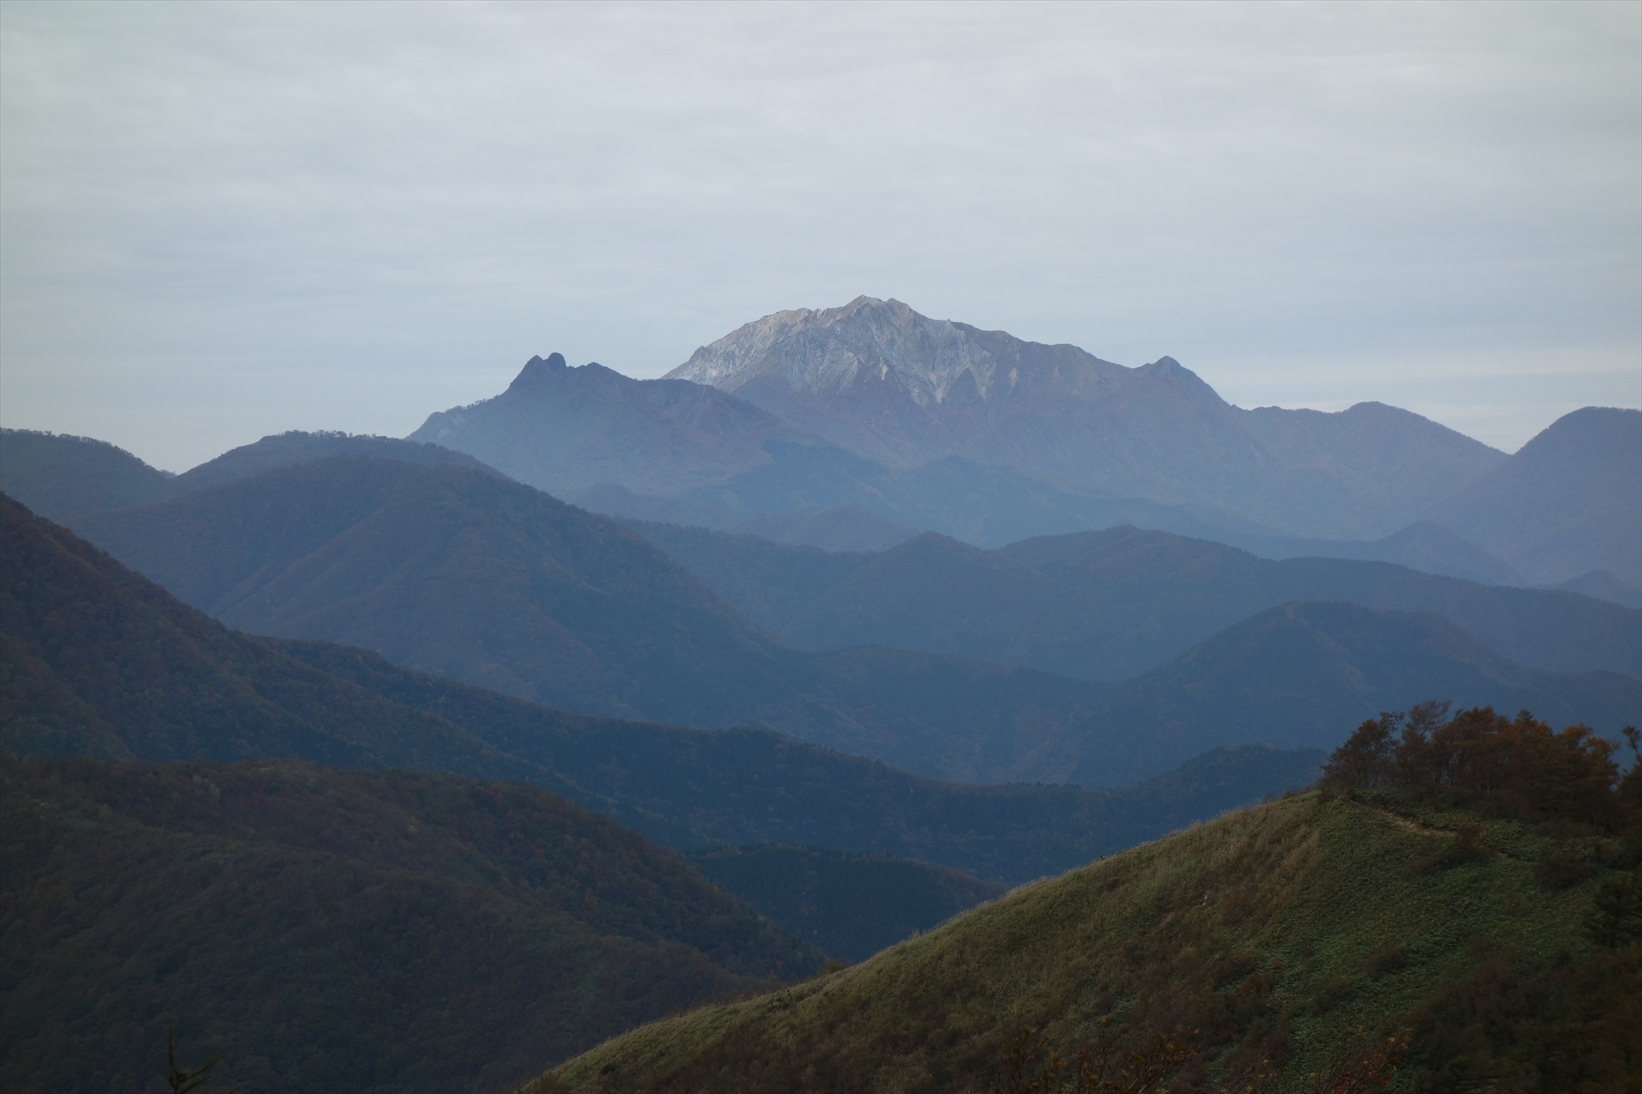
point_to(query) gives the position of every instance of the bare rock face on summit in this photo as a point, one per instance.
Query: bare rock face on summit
(898, 387)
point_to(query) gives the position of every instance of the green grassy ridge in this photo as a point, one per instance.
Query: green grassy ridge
(339, 929)
(1280, 931)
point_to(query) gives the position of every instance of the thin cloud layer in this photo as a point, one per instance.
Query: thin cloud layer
(225, 220)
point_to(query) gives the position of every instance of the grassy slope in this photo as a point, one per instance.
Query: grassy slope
(1287, 927)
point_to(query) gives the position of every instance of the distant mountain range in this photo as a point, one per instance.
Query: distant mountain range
(1568, 503)
(856, 428)
(98, 661)
(61, 476)
(879, 379)
(1108, 605)
(453, 571)
(874, 419)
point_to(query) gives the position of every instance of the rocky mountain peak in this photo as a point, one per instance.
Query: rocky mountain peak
(537, 369)
(864, 344)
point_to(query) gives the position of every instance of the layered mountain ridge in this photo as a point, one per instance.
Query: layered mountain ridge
(885, 382)
(449, 570)
(790, 422)
(100, 662)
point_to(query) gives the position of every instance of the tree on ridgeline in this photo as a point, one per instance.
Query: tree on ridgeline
(1478, 759)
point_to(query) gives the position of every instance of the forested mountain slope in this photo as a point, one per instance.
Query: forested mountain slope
(454, 571)
(99, 661)
(497, 584)
(58, 476)
(330, 929)
(746, 786)
(297, 447)
(847, 906)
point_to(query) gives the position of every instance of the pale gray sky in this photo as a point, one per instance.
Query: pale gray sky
(221, 221)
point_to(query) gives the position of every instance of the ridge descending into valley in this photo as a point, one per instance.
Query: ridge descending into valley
(1457, 908)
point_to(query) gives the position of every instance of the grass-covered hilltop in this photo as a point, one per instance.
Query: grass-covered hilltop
(1457, 907)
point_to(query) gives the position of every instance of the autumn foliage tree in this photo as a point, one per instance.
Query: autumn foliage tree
(1482, 760)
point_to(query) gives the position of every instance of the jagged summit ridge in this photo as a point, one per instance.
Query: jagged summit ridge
(820, 352)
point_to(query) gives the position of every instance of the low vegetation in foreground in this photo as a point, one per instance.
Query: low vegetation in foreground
(1456, 908)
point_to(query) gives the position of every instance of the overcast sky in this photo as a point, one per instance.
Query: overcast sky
(221, 221)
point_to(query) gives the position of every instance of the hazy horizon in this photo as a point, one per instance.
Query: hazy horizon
(224, 221)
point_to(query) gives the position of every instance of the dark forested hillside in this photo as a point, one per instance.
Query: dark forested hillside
(839, 528)
(339, 930)
(770, 583)
(99, 661)
(847, 906)
(1106, 605)
(458, 572)
(58, 476)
